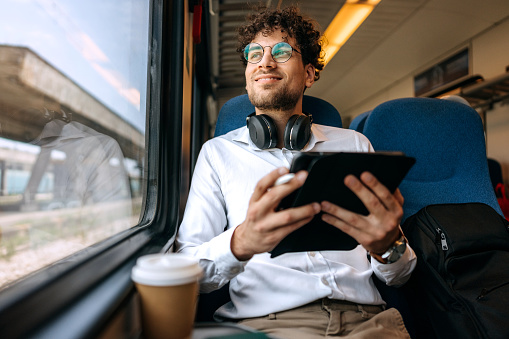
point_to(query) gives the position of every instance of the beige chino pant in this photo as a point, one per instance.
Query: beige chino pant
(328, 318)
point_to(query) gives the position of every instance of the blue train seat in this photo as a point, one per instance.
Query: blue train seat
(447, 140)
(234, 112)
(357, 124)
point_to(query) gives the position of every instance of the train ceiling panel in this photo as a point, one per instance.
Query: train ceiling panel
(398, 39)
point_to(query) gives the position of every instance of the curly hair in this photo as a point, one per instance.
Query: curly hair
(309, 39)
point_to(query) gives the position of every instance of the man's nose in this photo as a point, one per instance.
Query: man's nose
(267, 60)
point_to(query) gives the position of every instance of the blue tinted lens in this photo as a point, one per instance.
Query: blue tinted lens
(281, 52)
(253, 52)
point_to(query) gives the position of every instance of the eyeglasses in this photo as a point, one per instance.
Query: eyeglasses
(281, 52)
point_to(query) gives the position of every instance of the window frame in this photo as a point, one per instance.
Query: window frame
(82, 291)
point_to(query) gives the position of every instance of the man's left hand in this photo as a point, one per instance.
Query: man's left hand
(378, 230)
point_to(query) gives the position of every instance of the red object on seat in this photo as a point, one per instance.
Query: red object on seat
(502, 199)
(197, 23)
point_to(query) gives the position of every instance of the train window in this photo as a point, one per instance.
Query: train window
(73, 93)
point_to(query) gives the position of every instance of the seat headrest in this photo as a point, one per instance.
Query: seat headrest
(456, 98)
(359, 121)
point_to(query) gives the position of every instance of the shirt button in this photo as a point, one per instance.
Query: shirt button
(325, 282)
(311, 254)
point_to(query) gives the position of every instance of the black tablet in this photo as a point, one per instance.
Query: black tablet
(325, 181)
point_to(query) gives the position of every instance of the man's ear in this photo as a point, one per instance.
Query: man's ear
(310, 75)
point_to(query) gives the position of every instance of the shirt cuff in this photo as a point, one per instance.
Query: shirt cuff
(398, 272)
(226, 263)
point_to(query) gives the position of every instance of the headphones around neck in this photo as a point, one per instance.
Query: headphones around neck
(263, 131)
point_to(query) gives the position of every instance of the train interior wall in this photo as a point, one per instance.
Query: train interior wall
(489, 53)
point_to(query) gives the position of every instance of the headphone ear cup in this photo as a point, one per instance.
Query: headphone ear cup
(262, 131)
(297, 132)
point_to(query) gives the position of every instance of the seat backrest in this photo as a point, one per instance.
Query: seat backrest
(447, 140)
(234, 112)
(359, 121)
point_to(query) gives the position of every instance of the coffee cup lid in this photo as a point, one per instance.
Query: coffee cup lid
(166, 269)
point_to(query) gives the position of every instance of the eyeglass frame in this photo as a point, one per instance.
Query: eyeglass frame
(271, 49)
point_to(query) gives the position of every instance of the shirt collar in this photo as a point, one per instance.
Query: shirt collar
(243, 136)
(317, 136)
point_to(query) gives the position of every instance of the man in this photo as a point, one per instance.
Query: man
(295, 295)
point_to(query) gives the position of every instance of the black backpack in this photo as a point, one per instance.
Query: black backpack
(460, 287)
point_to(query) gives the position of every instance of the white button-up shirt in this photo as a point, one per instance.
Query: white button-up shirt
(226, 173)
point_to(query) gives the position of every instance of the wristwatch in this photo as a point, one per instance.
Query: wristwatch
(393, 253)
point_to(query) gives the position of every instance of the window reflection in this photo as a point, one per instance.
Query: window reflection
(73, 79)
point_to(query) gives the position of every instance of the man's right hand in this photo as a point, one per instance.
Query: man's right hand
(265, 227)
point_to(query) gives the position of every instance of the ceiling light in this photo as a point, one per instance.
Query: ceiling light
(345, 23)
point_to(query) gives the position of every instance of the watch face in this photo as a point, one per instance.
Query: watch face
(394, 256)
(395, 252)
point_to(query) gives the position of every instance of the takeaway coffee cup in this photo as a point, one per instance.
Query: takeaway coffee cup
(168, 288)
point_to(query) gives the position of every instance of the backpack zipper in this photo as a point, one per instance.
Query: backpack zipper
(486, 291)
(443, 240)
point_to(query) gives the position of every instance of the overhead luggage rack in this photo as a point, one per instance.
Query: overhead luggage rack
(486, 93)
(453, 86)
(481, 94)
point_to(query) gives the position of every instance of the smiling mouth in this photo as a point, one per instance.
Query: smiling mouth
(268, 79)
